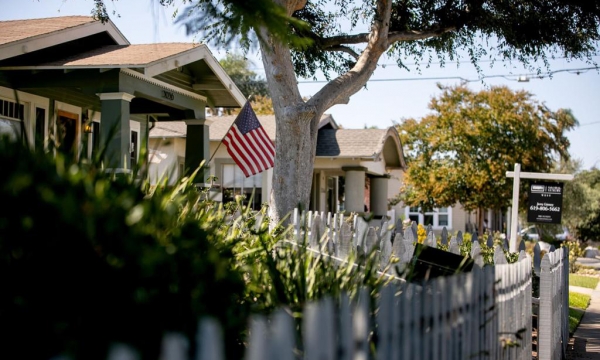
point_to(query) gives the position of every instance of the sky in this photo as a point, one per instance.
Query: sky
(392, 94)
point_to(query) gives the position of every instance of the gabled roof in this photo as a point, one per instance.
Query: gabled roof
(367, 144)
(221, 124)
(362, 144)
(79, 42)
(120, 56)
(19, 37)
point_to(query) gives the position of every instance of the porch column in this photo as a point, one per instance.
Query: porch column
(197, 149)
(355, 188)
(115, 133)
(379, 194)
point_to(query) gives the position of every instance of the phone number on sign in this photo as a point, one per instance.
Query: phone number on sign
(544, 208)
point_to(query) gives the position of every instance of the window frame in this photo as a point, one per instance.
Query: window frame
(220, 165)
(30, 102)
(435, 213)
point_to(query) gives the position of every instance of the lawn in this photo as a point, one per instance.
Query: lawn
(577, 305)
(583, 281)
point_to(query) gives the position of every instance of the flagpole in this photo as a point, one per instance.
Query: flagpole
(227, 132)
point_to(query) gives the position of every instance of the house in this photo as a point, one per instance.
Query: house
(353, 168)
(80, 84)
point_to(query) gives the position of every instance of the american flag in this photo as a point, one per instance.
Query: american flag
(248, 143)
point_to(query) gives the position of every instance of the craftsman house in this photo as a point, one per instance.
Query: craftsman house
(82, 85)
(355, 170)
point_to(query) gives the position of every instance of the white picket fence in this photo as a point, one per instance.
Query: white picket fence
(482, 314)
(553, 333)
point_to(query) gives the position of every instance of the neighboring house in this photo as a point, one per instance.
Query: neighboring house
(81, 84)
(354, 168)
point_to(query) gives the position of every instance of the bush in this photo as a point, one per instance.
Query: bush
(87, 259)
(576, 250)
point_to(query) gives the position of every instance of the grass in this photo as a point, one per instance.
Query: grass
(583, 281)
(577, 305)
(578, 300)
(575, 316)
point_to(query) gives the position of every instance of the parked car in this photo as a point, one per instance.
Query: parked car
(563, 236)
(530, 233)
(533, 233)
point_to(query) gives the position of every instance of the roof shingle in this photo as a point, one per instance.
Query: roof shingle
(140, 54)
(15, 30)
(360, 143)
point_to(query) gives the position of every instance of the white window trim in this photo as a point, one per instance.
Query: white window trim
(435, 214)
(134, 126)
(30, 102)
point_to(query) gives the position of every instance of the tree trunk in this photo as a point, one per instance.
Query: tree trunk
(297, 121)
(296, 134)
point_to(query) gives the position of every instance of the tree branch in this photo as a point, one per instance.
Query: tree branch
(394, 36)
(418, 35)
(345, 49)
(340, 89)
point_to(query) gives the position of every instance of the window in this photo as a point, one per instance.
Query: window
(11, 117)
(40, 128)
(437, 218)
(134, 149)
(95, 139)
(234, 182)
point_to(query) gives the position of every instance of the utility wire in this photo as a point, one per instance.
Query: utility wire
(425, 63)
(517, 77)
(591, 123)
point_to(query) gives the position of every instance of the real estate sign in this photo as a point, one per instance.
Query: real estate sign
(545, 203)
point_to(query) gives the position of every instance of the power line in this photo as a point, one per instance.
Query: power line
(517, 77)
(424, 63)
(591, 123)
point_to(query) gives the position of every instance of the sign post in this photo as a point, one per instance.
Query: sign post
(517, 175)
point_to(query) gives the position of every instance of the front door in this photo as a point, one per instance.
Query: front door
(67, 129)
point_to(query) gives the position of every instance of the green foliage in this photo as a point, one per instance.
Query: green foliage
(578, 303)
(461, 152)
(528, 31)
(486, 252)
(583, 217)
(577, 300)
(575, 316)
(280, 272)
(238, 67)
(583, 281)
(325, 32)
(576, 250)
(87, 259)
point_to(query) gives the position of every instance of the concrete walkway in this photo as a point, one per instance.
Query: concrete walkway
(586, 344)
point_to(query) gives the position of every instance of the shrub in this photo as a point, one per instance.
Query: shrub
(87, 259)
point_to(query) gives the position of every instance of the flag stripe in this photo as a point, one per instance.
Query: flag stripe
(242, 156)
(267, 153)
(259, 149)
(248, 143)
(245, 144)
(266, 141)
(238, 154)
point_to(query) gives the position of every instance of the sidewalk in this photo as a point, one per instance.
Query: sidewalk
(586, 340)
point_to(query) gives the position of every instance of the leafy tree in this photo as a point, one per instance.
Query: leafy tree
(239, 70)
(581, 205)
(301, 37)
(250, 84)
(87, 260)
(460, 153)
